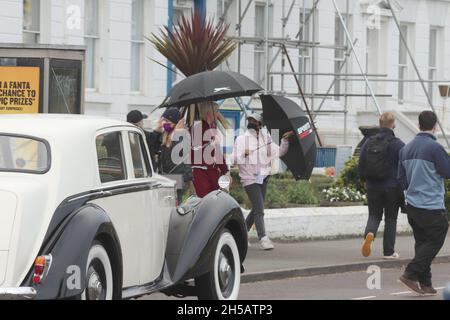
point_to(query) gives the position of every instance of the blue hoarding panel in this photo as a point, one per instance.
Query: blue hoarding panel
(326, 157)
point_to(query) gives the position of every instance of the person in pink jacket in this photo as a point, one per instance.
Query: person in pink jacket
(253, 153)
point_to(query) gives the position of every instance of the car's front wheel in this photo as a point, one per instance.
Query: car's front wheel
(224, 279)
(99, 275)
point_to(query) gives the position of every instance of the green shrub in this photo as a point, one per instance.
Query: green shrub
(319, 183)
(237, 191)
(301, 193)
(349, 176)
(281, 190)
(274, 196)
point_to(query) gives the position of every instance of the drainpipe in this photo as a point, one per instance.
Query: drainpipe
(200, 5)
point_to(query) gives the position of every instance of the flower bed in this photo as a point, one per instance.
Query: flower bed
(343, 194)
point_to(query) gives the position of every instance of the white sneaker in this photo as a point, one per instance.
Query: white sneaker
(395, 255)
(265, 243)
(249, 245)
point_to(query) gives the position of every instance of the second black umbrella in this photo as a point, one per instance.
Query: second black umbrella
(210, 86)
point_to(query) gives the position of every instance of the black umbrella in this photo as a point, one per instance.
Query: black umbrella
(285, 115)
(210, 86)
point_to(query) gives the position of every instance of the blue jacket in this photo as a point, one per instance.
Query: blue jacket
(423, 166)
(394, 148)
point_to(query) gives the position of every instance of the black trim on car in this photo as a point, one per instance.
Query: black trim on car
(72, 203)
(45, 142)
(71, 206)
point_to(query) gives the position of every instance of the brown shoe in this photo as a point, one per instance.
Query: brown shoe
(411, 285)
(365, 250)
(429, 290)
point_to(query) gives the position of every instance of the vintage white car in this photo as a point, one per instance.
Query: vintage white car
(83, 215)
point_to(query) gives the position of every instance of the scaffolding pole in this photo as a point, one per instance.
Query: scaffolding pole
(313, 52)
(266, 47)
(346, 73)
(305, 43)
(347, 55)
(239, 29)
(303, 97)
(347, 33)
(405, 43)
(314, 7)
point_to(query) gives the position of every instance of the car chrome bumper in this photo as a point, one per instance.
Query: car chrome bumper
(20, 293)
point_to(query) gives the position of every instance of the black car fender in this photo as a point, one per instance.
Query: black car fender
(193, 236)
(69, 247)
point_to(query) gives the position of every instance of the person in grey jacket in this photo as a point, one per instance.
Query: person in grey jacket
(423, 166)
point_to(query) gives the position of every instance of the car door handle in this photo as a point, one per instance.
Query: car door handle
(155, 185)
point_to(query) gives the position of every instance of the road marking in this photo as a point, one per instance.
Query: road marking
(400, 293)
(410, 292)
(364, 298)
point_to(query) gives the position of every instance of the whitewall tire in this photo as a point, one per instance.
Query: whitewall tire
(99, 275)
(224, 279)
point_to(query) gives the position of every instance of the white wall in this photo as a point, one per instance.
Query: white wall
(11, 21)
(113, 97)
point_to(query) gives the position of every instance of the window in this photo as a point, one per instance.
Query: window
(65, 86)
(260, 32)
(91, 39)
(31, 21)
(141, 165)
(304, 59)
(137, 43)
(402, 64)
(432, 61)
(23, 154)
(111, 162)
(339, 56)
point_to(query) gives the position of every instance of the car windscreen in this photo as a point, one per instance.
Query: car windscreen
(23, 154)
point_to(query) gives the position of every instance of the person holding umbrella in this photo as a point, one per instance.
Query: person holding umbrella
(253, 153)
(208, 162)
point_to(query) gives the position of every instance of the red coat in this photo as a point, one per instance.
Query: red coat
(203, 156)
(207, 164)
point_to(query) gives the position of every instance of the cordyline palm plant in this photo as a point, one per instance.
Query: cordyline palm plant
(194, 45)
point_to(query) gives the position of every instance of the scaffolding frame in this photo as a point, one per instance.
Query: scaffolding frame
(286, 42)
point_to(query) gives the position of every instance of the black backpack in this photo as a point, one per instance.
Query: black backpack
(377, 166)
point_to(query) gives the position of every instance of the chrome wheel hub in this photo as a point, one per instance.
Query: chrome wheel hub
(225, 270)
(95, 286)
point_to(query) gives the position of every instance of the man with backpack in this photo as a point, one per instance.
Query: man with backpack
(378, 165)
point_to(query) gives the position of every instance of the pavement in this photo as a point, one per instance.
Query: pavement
(330, 269)
(303, 259)
(339, 286)
(343, 286)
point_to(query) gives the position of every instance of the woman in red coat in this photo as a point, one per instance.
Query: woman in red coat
(208, 162)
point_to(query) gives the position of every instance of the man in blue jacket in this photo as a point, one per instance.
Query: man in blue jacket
(423, 166)
(378, 165)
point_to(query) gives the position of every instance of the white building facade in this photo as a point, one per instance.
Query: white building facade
(121, 73)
